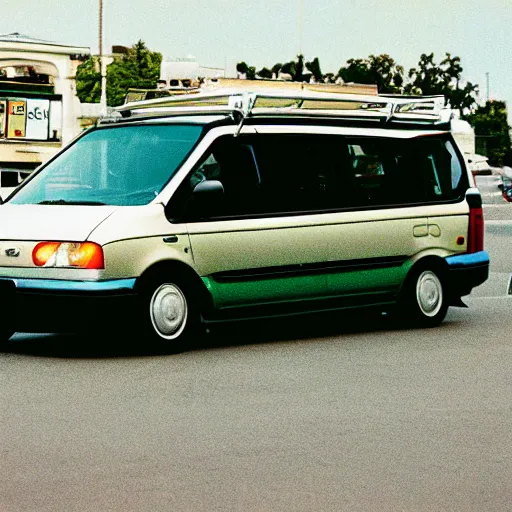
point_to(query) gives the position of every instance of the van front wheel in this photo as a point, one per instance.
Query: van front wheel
(171, 320)
(424, 302)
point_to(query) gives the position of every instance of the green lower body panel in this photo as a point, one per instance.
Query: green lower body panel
(275, 290)
(367, 281)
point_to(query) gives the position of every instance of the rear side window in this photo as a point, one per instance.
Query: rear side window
(313, 172)
(390, 171)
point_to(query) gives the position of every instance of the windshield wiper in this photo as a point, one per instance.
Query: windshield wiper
(64, 201)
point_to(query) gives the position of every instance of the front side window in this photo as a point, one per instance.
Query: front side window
(125, 165)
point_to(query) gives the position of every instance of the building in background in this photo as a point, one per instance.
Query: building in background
(39, 109)
(186, 72)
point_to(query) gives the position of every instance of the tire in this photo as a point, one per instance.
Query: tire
(424, 300)
(170, 319)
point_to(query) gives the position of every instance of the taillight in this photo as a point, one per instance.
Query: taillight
(476, 230)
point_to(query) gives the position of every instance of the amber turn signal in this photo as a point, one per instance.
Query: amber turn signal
(68, 254)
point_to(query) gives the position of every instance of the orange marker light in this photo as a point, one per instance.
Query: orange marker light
(86, 255)
(68, 254)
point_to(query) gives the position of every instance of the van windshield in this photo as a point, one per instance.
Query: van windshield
(124, 165)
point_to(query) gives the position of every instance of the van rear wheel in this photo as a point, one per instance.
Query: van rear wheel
(424, 300)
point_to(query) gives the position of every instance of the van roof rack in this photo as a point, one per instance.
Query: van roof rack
(422, 110)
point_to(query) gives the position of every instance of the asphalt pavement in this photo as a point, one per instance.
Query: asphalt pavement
(319, 414)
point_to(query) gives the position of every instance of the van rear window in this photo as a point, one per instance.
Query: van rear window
(311, 172)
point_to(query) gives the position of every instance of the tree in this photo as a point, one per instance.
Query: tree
(329, 78)
(314, 67)
(491, 127)
(88, 81)
(428, 78)
(299, 69)
(290, 68)
(463, 99)
(139, 68)
(381, 70)
(276, 68)
(386, 73)
(294, 68)
(264, 73)
(248, 71)
(357, 71)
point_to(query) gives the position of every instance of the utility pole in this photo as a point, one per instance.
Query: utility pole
(103, 99)
(301, 2)
(488, 93)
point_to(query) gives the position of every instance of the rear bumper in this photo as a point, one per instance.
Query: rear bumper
(50, 305)
(466, 271)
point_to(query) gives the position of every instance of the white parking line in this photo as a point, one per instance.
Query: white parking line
(493, 297)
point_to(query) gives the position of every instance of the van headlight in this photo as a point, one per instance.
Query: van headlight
(68, 254)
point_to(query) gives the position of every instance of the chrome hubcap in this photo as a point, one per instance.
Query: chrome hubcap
(429, 293)
(168, 310)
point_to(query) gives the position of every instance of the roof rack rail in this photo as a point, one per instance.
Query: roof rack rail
(428, 110)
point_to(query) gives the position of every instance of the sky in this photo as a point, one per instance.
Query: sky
(264, 32)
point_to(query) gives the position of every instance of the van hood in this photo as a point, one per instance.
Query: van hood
(50, 222)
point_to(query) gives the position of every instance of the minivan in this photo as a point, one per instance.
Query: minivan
(183, 211)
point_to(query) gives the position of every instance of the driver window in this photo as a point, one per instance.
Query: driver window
(233, 164)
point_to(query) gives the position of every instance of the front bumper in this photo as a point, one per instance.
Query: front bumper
(53, 305)
(466, 271)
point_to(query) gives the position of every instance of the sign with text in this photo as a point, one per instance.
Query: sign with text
(17, 112)
(35, 119)
(38, 119)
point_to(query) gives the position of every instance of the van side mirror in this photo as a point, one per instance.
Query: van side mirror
(206, 200)
(209, 188)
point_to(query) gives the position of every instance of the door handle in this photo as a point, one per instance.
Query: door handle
(420, 230)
